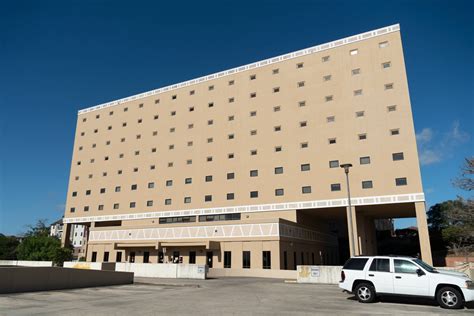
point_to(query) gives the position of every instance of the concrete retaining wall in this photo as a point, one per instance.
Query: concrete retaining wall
(107, 266)
(26, 263)
(29, 279)
(256, 273)
(164, 270)
(319, 274)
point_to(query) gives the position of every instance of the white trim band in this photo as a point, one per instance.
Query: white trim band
(258, 64)
(357, 201)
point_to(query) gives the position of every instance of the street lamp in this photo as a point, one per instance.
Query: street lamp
(346, 167)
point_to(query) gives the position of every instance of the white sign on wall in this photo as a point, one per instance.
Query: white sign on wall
(315, 272)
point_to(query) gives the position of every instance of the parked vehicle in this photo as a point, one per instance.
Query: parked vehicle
(370, 276)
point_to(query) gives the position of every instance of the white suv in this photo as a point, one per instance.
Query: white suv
(369, 276)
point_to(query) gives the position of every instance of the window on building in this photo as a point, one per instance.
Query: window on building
(167, 201)
(357, 92)
(118, 256)
(383, 44)
(388, 86)
(208, 178)
(276, 89)
(210, 104)
(328, 98)
(253, 113)
(230, 196)
(278, 148)
(336, 187)
(191, 92)
(400, 181)
(253, 194)
(253, 152)
(88, 192)
(210, 88)
(230, 156)
(355, 71)
(360, 113)
(332, 141)
(100, 207)
(267, 260)
(230, 118)
(353, 52)
(254, 173)
(278, 170)
(277, 128)
(305, 167)
(149, 203)
(327, 77)
(246, 259)
(230, 136)
(391, 108)
(209, 159)
(177, 219)
(220, 217)
(210, 140)
(231, 82)
(72, 210)
(208, 198)
(367, 184)
(210, 122)
(397, 156)
(276, 109)
(331, 119)
(394, 132)
(325, 59)
(187, 199)
(231, 100)
(333, 163)
(133, 187)
(386, 65)
(362, 136)
(188, 180)
(169, 183)
(253, 77)
(306, 189)
(227, 259)
(230, 176)
(133, 204)
(275, 71)
(364, 160)
(116, 206)
(74, 193)
(86, 208)
(303, 145)
(94, 256)
(300, 84)
(279, 192)
(253, 94)
(303, 124)
(253, 132)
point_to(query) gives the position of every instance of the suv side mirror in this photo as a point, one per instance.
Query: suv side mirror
(420, 272)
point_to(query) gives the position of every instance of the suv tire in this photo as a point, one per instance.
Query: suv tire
(449, 297)
(365, 292)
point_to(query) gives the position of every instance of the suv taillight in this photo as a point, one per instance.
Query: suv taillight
(343, 276)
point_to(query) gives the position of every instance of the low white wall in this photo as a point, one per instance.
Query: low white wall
(164, 270)
(254, 273)
(25, 263)
(319, 274)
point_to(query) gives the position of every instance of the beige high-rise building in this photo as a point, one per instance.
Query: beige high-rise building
(241, 169)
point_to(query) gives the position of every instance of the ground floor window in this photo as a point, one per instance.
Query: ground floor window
(118, 257)
(209, 256)
(192, 257)
(285, 260)
(106, 256)
(94, 256)
(146, 257)
(267, 260)
(227, 259)
(132, 256)
(161, 257)
(246, 259)
(294, 260)
(175, 256)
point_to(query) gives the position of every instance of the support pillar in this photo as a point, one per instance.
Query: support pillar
(65, 237)
(352, 236)
(423, 234)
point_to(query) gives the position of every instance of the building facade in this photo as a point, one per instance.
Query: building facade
(240, 169)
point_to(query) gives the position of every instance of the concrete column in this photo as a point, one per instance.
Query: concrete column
(371, 237)
(354, 231)
(65, 237)
(423, 233)
(361, 234)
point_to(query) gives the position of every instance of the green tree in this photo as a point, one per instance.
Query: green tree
(38, 245)
(8, 245)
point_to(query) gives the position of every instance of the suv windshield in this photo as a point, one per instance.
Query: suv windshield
(424, 265)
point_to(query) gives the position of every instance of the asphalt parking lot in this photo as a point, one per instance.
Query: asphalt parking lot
(236, 296)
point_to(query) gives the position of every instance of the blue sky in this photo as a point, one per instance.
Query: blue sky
(57, 57)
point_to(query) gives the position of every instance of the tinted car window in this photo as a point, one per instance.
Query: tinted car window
(355, 264)
(404, 266)
(380, 265)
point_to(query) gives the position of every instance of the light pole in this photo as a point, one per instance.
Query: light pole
(346, 167)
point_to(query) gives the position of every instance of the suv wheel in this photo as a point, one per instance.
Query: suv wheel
(449, 297)
(365, 292)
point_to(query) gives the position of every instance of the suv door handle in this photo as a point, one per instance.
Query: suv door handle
(371, 275)
(398, 277)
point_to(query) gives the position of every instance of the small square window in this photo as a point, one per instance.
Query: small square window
(253, 94)
(171, 147)
(155, 133)
(388, 86)
(299, 65)
(102, 190)
(208, 198)
(152, 167)
(135, 169)
(305, 167)
(210, 122)
(400, 181)
(302, 103)
(253, 194)
(167, 201)
(328, 98)
(86, 208)
(367, 184)
(209, 159)
(190, 144)
(187, 200)
(231, 82)
(383, 44)
(336, 187)
(117, 189)
(151, 185)
(157, 101)
(277, 128)
(353, 52)
(191, 92)
(362, 136)
(84, 120)
(149, 203)
(231, 100)
(360, 113)
(230, 136)
(391, 108)
(397, 156)
(107, 142)
(253, 77)
(230, 156)
(303, 124)
(279, 192)
(332, 141)
(230, 176)
(355, 71)
(275, 71)
(306, 189)
(139, 122)
(276, 89)
(191, 109)
(72, 209)
(253, 152)
(333, 163)
(230, 118)
(189, 162)
(116, 206)
(80, 147)
(210, 88)
(134, 187)
(331, 119)
(169, 183)
(254, 173)
(174, 97)
(304, 145)
(100, 207)
(364, 160)
(277, 148)
(210, 104)
(325, 59)
(137, 153)
(253, 132)
(119, 171)
(96, 131)
(394, 132)
(111, 113)
(327, 78)
(300, 84)
(278, 170)
(208, 179)
(190, 126)
(173, 113)
(139, 136)
(357, 92)
(386, 65)
(133, 204)
(97, 116)
(125, 109)
(253, 113)
(230, 196)
(210, 140)
(276, 109)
